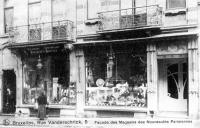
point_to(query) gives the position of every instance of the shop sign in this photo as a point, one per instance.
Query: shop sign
(47, 49)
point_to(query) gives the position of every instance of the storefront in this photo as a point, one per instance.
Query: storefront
(153, 76)
(45, 68)
(116, 75)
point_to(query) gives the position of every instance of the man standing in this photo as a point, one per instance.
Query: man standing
(42, 102)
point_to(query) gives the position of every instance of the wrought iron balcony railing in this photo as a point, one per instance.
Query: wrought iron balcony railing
(130, 18)
(59, 30)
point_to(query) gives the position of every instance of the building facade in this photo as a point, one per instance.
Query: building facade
(101, 58)
(36, 38)
(138, 58)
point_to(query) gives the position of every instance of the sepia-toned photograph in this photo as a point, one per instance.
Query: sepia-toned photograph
(100, 63)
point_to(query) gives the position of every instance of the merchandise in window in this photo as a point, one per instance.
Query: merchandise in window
(116, 78)
(51, 75)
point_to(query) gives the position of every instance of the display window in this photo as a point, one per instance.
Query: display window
(116, 76)
(51, 75)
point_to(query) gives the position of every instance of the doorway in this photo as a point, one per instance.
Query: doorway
(173, 85)
(9, 91)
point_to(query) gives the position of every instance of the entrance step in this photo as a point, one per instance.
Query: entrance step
(7, 114)
(172, 114)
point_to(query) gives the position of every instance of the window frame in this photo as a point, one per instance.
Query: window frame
(37, 30)
(88, 17)
(5, 25)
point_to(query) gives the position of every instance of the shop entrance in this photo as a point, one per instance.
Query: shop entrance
(173, 85)
(9, 91)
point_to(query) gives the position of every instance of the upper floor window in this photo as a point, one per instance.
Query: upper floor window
(34, 13)
(8, 13)
(172, 4)
(34, 21)
(93, 7)
(59, 10)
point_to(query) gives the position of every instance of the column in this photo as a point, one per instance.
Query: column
(80, 74)
(19, 82)
(152, 72)
(193, 71)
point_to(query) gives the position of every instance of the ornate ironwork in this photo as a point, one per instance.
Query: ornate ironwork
(43, 31)
(130, 18)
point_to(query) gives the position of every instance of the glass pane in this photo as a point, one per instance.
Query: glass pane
(115, 78)
(93, 8)
(59, 10)
(172, 81)
(53, 78)
(185, 80)
(8, 19)
(34, 13)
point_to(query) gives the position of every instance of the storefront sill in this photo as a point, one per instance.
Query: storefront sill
(62, 107)
(110, 108)
(50, 106)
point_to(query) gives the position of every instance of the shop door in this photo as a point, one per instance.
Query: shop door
(9, 91)
(173, 85)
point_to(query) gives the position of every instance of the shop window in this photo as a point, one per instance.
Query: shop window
(52, 78)
(173, 4)
(115, 78)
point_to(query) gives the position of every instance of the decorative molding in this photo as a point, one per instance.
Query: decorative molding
(176, 47)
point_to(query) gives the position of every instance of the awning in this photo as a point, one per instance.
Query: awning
(40, 47)
(168, 36)
(38, 44)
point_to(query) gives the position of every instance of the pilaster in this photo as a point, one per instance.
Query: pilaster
(193, 71)
(80, 82)
(152, 72)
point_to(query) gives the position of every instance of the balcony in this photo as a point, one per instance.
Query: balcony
(42, 32)
(131, 18)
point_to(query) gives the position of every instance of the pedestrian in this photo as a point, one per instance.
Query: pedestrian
(42, 102)
(9, 102)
